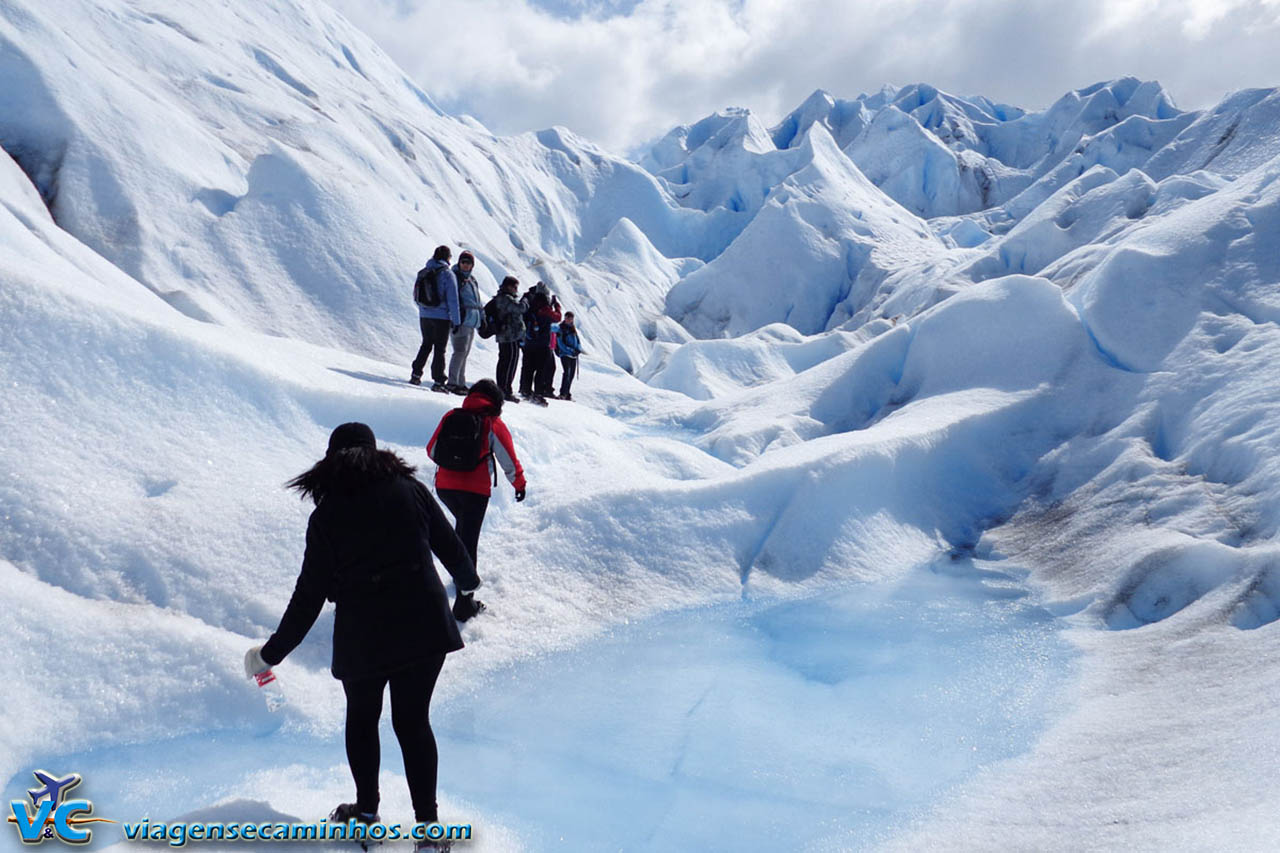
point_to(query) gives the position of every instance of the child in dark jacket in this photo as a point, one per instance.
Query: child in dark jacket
(568, 347)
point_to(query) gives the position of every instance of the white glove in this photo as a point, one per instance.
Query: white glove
(253, 662)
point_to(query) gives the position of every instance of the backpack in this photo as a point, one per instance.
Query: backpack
(426, 288)
(489, 319)
(463, 441)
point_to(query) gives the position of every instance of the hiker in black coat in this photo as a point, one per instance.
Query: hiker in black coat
(369, 546)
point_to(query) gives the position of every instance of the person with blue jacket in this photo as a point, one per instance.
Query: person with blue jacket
(470, 307)
(568, 347)
(436, 294)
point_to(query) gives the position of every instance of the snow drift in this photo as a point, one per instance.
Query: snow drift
(1033, 350)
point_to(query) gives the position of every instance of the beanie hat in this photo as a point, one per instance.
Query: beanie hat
(351, 435)
(466, 256)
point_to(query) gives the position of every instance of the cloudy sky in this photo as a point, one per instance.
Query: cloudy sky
(623, 71)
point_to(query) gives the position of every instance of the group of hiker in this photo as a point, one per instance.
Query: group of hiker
(375, 527)
(451, 314)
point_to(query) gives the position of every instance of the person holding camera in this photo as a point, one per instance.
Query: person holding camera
(543, 312)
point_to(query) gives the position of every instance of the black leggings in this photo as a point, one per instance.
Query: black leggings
(468, 510)
(411, 691)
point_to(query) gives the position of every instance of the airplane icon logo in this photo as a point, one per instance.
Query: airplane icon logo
(55, 816)
(54, 789)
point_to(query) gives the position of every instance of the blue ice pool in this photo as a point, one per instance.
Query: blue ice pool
(825, 722)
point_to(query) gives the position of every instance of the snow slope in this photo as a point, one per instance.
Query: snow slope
(908, 356)
(267, 167)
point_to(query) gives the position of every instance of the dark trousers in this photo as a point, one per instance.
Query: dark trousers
(570, 365)
(435, 338)
(411, 691)
(468, 510)
(508, 358)
(546, 373)
(529, 369)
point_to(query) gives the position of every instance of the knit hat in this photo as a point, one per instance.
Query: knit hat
(351, 435)
(467, 256)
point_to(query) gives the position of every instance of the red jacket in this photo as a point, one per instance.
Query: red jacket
(500, 447)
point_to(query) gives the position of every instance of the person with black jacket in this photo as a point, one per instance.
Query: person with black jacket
(543, 312)
(507, 312)
(369, 546)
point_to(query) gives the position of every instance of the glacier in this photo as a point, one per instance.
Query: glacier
(920, 492)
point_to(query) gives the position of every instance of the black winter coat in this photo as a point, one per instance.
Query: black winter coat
(369, 552)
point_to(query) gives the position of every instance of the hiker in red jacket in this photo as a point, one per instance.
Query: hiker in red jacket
(468, 446)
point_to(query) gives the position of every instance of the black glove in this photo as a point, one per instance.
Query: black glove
(466, 605)
(519, 495)
(453, 330)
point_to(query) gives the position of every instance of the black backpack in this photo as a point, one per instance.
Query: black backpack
(489, 319)
(426, 288)
(463, 442)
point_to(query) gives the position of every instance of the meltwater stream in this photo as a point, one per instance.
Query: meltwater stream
(822, 723)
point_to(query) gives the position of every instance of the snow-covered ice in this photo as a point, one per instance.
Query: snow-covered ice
(831, 717)
(920, 488)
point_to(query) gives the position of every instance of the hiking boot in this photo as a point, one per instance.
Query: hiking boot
(440, 387)
(460, 390)
(350, 811)
(566, 396)
(511, 398)
(347, 811)
(415, 380)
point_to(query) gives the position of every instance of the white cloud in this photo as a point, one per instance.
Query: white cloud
(619, 72)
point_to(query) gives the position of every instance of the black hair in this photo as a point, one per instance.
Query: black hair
(349, 470)
(490, 389)
(510, 280)
(443, 253)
